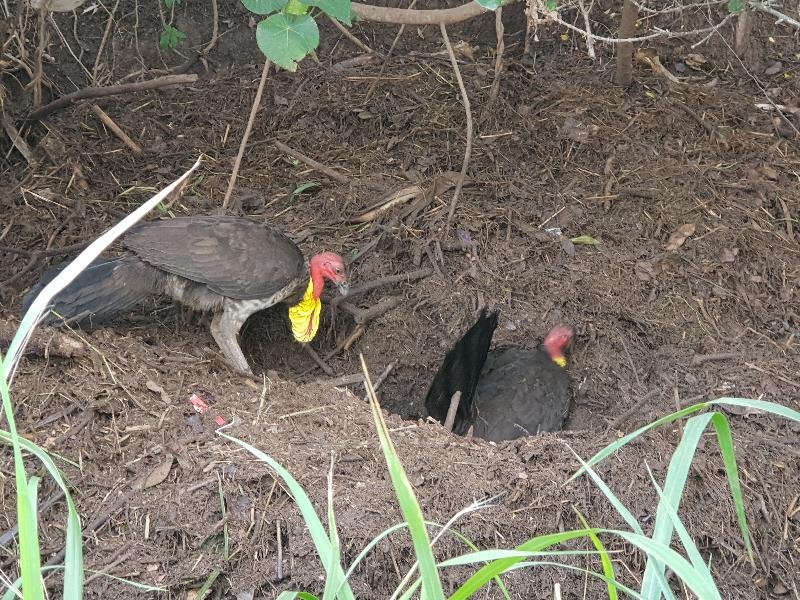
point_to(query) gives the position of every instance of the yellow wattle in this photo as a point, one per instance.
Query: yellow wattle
(561, 361)
(305, 315)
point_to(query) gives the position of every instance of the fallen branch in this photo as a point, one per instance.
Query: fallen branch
(43, 342)
(363, 315)
(377, 283)
(392, 200)
(312, 163)
(111, 90)
(405, 16)
(500, 30)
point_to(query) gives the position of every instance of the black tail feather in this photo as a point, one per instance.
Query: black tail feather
(103, 290)
(460, 371)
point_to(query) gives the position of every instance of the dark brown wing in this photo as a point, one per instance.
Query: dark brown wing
(235, 257)
(521, 392)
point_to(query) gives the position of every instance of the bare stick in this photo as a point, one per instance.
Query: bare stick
(111, 90)
(391, 280)
(318, 359)
(450, 419)
(405, 16)
(116, 129)
(467, 109)
(382, 377)
(345, 345)
(589, 39)
(247, 130)
(312, 163)
(106, 33)
(499, 30)
(350, 36)
(214, 30)
(397, 37)
(624, 74)
(364, 315)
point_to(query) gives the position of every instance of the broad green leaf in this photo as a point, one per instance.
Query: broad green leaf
(736, 6)
(585, 240)
(170, 38)
(298, 595)
(490, 4)
(287, 39)
(264, 7)
(309, 186)
(338, 9)
(295, 7)
(172, 3)
(551, 5)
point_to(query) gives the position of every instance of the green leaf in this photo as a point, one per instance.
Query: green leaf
(551, 5)
(586, 240)
(287, 39)
(490, 4)
(170, 38)
(295, 7)
(264, 7)
(735, 6)
(338, 9)
(308, 186)
(171, 3)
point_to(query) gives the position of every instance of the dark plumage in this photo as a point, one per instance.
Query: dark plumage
(506, 393)
(229, 265)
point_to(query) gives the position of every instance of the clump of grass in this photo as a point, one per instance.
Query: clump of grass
(27, 489)
(541, 550)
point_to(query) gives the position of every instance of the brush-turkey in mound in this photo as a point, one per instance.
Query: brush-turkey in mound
(229, 265)
(506, 393)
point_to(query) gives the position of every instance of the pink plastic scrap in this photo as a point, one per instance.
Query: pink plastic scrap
(201, 406)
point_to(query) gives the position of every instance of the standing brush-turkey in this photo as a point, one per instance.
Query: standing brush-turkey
(229, 265)
(506, 393)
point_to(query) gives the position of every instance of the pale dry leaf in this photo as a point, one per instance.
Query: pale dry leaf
(728, 255)
(157, 475)
(680, 235)
(154, 387)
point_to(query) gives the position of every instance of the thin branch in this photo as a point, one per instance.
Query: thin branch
(350, 36)
(317, 166)
(253, 112)
(499, 30)
(782, 18)
(110, 90)
(468, 110)
(405, 16)
(103, 41)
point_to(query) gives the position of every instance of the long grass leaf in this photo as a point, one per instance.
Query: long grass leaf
(613, 447)
(674, 485)
(409, 506)
(315, 528)
(331, 590)
(726, 448)
(762, 405)
(29, 556)
(608, 567)
(498, 567)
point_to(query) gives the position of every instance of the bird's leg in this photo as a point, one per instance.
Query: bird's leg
(225, 327)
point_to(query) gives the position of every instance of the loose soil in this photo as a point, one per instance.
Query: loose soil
(563, 150)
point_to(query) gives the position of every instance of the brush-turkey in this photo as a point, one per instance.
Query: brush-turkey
(232, 266)
(506, 393)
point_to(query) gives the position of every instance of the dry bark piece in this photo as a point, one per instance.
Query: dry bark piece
(680, 235)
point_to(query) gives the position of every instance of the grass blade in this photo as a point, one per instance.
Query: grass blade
(331, 590)
(608, 567)
(725, 441)
(409, 506)
(674, 485)
(763, 405)
(613, 447)
(318, 533)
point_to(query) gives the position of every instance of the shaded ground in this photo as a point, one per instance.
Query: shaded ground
(716, 316)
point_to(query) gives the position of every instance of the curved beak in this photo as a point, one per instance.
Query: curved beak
(344, 287)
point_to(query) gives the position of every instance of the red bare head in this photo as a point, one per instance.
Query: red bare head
(556, 343)
(328, 266)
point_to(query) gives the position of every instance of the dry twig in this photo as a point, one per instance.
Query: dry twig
(498, 63)
(317, 166)
(467, 109)
(116, 129)
(253, 112)
(450, 419)
(111, 90)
